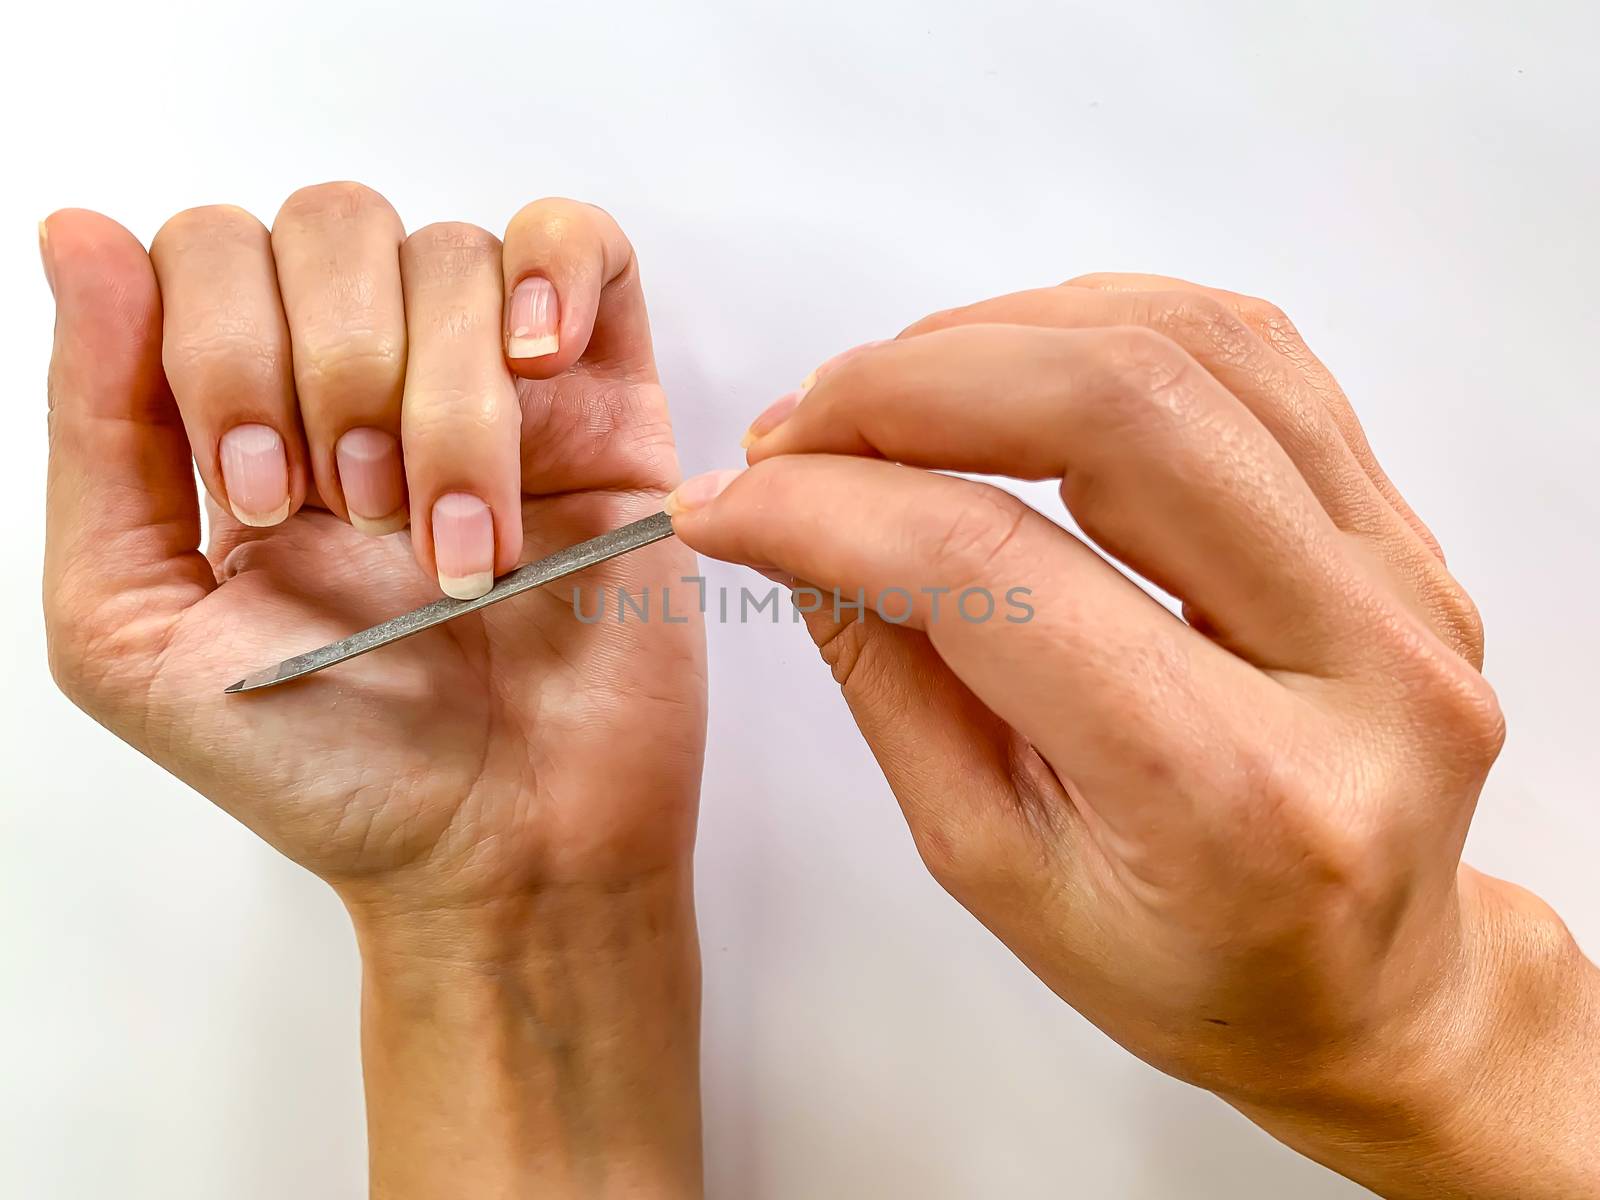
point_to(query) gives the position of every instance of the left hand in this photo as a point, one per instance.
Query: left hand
(506, 803)
(515, 750)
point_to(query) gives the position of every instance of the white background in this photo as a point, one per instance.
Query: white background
(1415, 183)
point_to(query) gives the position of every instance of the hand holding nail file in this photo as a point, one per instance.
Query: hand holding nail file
(536, 574)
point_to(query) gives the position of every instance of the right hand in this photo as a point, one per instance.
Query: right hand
(1232, 843)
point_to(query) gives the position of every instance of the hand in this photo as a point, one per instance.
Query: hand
(496, 799)
(1231, 841)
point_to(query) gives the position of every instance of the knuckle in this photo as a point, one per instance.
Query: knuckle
(978, 535)
(1339, 853)
(1465, 622)
(207, 224)
(1309, 815)
(1446, 604)
(341, 200)
(1267, 314)
(945, 853)
(77, 651)
(1473, 721)
(452, 248)
(975, 854)
(441, 417)
(64, 649)
(555, 218)
(360, 363)
(845, 648)
(1142, 366)
(1454, 714)
(1206, 321)
(1332, 848)
(1271, 323)
(228, 354)
(957, 851)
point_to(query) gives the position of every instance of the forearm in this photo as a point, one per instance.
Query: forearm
(547, 1046)
(1496, 1094)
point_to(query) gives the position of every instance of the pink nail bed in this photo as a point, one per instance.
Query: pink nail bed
(698, 490)
(463, 545)
(833, 363)
(533, 319)
(372, 479)
(772, 416)
(255, 472)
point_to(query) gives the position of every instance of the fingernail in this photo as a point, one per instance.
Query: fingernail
(372, 479)
(775, 414)
(810, 381)
(463, 545)
(531, 325)
(44, 257)
(699, 490)
(255, 471)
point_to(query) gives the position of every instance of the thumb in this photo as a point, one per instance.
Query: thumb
(122, 522)
(961, 773)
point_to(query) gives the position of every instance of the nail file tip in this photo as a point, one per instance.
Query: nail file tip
(251, 683)
(547, 570)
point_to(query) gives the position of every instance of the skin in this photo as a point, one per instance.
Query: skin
(506, 805)
(1232, 841)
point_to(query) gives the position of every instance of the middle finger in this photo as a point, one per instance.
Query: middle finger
(337, 247)
(461, 425)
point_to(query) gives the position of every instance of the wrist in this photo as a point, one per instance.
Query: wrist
(1487, 1086)
(581, 922)
(545, 1043)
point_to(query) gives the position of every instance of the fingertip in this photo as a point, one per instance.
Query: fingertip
(464, 541)
(565, 254)
(372, 477)
(770, 419)
(85, 252)
(108, 311)
(699, 490)
(393, 523)
(44, 255)
(254, 462)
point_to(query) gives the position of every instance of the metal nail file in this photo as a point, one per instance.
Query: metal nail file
(536, 574)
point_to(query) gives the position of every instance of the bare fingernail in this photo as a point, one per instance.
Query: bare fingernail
(255, 471)
(775, 414)
(810, 381)
(463, 545)
(44, 256)
(699, 490)
(533, 320)
(373, 480)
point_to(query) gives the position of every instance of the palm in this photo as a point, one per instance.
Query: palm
(502, 750)
(439, 748)
(496, 750)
